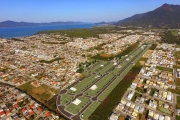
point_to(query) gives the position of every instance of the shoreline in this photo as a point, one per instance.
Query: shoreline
(26, 31)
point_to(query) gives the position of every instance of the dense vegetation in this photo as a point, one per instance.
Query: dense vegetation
(170, 38)
(82, 33)
(166, 16)
(153, 46)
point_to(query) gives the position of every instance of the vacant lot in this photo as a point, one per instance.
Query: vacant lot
(177, 90)
(164, 69)
(42, 93)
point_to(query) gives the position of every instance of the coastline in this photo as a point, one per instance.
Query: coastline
(25, 31)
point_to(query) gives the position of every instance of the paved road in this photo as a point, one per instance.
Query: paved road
(71, 116)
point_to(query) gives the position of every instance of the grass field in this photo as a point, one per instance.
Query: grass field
(178, 102)
(98, 66)
(164, 110)
(90, 110)
(177, 54)
(66, 98)
(99, 85)
(153, 90)
(84, 84)
(174, 32)
(74, 109)
(140, 90)
(177, 117)
(135, 96)
(164, 69)
(42, 93)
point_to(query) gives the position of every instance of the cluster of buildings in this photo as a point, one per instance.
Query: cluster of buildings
(53, 59)
(120, 45)
(148, 95)
(16, 105)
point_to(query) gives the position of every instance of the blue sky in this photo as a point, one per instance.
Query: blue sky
(75, 10)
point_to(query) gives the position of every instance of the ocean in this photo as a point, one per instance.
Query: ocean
(30, 30)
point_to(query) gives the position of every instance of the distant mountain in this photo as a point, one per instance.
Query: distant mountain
(164, 16)
(101, 23)
(105, 23)
(19, 24)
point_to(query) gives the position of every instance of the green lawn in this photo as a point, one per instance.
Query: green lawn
(98, 66)
(135, 96)
(140, 90)
(76, 108)
(27, 87)
(177, 54)
(164, 110)
(174, 32)
(100, 85)
(66, 98)
(177, 117)
(153, 90)
(84, 84)
(90, 110)
(178, 102)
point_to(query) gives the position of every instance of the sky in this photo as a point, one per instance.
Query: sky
(75, 10)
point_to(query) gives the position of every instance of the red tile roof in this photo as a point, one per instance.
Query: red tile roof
(2, 113)
(39, 109)
(7, 112)
(15, 105)
(31, 113)
(19, 100)
(23, 110)
(48, 114)
(31, 106)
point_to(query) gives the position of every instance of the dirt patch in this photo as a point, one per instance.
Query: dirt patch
(142, 62)
(147, 54)
(105, 55)
(130, 76)
(39, 90)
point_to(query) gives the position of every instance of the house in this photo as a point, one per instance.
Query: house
(2, 113)
(133, 85)
(130, 95)
(153, 104)
(114, 116)
(48, 114)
